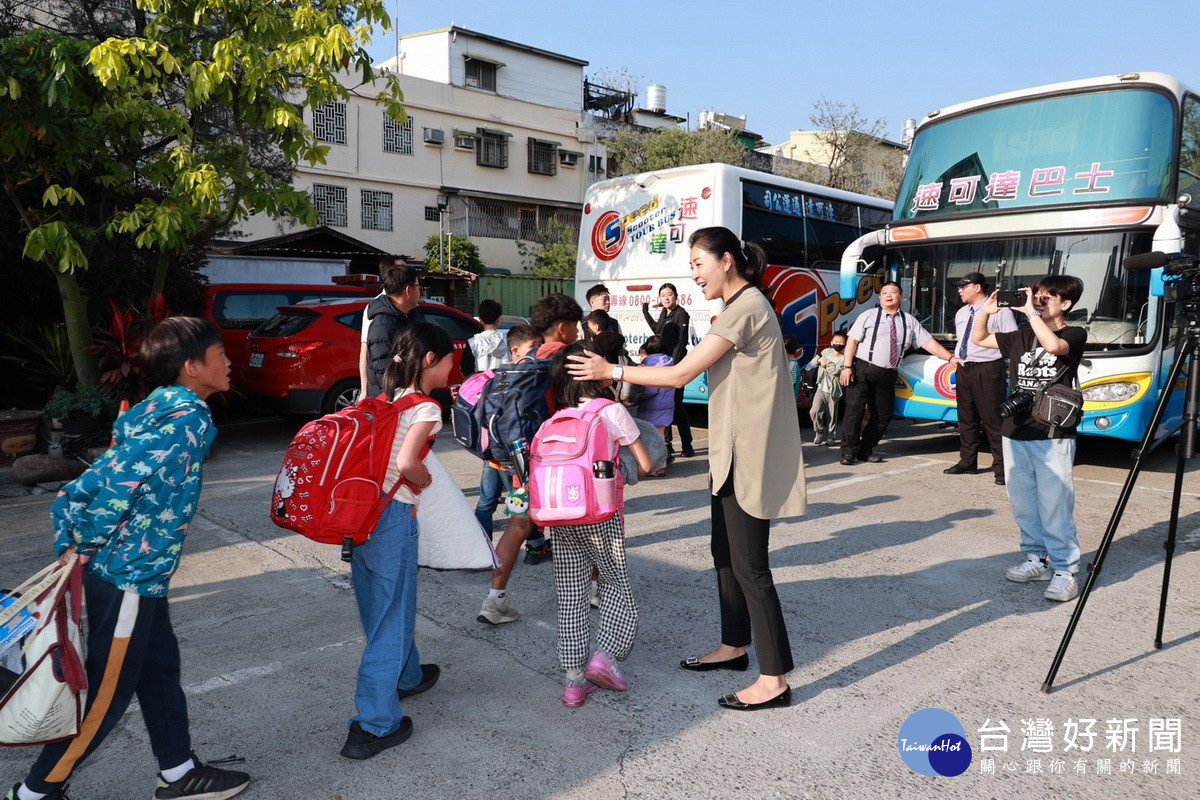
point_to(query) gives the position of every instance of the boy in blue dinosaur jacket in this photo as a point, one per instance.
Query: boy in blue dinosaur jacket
(127, 517)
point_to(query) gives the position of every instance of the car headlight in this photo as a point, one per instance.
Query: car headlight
(1116, 392)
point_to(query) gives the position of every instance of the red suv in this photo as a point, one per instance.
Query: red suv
(239, 308)
(305, 358)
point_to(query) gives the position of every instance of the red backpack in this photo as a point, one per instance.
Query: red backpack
(330, 487)
(564, 487)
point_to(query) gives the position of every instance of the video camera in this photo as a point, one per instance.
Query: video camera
(1181, 273)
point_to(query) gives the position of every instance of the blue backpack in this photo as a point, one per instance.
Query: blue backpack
(514, 406)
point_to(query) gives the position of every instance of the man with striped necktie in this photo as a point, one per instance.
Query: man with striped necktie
(877, 342)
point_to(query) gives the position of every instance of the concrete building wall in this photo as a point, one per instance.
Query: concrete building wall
(491, 205)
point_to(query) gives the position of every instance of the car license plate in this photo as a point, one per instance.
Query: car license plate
(256, 359)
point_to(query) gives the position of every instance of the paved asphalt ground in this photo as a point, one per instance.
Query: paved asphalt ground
(895, 600)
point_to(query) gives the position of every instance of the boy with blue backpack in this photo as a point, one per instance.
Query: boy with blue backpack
(523, 341)
(516, 403)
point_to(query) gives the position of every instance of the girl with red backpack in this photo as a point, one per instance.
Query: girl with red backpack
(580, 548)
(384, 568)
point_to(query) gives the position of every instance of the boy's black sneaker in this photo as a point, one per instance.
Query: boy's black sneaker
(362, 744)
(536, 555)
(688, 452)
(203, 783)
(58, 794)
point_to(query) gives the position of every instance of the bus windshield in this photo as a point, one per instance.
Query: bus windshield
(1105, 146)
(1116, 306)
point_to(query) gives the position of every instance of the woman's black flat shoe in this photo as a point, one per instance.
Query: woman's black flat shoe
(738, 664)
(781, 700)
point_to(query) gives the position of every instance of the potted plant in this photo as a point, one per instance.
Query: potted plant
(85, 409)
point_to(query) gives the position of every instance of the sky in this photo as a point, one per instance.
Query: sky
(772, 59)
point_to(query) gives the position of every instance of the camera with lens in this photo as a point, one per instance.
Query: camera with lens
(1016, 403)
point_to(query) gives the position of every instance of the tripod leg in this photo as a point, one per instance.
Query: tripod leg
(1185, 346)
(1187, 449)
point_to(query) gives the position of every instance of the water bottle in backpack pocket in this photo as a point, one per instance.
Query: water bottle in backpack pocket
(572, 480)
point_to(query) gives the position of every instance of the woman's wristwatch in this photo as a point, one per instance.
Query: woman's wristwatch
(617, 372)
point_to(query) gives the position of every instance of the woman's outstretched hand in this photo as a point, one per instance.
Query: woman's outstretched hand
(589, 367)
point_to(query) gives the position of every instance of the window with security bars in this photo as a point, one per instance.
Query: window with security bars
(329, 122)
(543, 157)
(376, 210)
(330, 203)
(499, 219)
(431, 214)
(397, 138)
(492, 150)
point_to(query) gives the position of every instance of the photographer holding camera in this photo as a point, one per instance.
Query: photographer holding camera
(1039, 460)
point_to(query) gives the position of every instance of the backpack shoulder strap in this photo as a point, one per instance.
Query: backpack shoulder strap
(596, 403)
(411, 400)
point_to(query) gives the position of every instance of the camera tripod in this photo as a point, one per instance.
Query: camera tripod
(1187, 348)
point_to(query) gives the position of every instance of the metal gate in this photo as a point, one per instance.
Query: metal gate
(518, 293)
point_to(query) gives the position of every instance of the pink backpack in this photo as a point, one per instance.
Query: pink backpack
(563, 487)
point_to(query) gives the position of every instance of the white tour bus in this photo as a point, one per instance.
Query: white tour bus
(1066, 179)
(634, 231)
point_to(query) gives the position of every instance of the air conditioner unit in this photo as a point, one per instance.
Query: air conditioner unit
(568, 159)
(435, 136)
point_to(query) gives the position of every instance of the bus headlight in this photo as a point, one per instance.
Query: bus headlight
(1111, 392)
(1114, 391)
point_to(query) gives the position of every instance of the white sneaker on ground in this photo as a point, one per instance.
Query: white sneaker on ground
(1062, 588)
(1031, 569)
(497, 613)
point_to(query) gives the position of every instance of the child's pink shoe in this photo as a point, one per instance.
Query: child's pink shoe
(575, 696)
(603, 672)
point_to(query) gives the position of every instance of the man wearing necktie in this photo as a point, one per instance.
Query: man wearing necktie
(877, 341)
(979, 379)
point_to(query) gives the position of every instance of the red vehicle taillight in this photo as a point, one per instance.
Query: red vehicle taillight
(298, 349)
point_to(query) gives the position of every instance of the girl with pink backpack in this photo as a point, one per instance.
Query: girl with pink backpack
(590, 425)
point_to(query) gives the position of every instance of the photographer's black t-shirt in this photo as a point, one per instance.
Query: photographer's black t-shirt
(1030, 368)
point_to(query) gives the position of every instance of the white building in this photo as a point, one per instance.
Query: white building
(495, 135)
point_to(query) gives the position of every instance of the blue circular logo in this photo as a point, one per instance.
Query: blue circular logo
(934, 742)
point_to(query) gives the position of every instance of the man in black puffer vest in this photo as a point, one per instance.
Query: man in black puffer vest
(386, 316)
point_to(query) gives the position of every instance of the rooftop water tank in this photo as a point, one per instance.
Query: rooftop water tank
(656, 98)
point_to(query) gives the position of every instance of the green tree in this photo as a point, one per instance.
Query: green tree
(553, 251)
(173, 131)
(636, 151)
(463, 254)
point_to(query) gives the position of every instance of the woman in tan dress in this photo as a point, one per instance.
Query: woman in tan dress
(754, 456)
